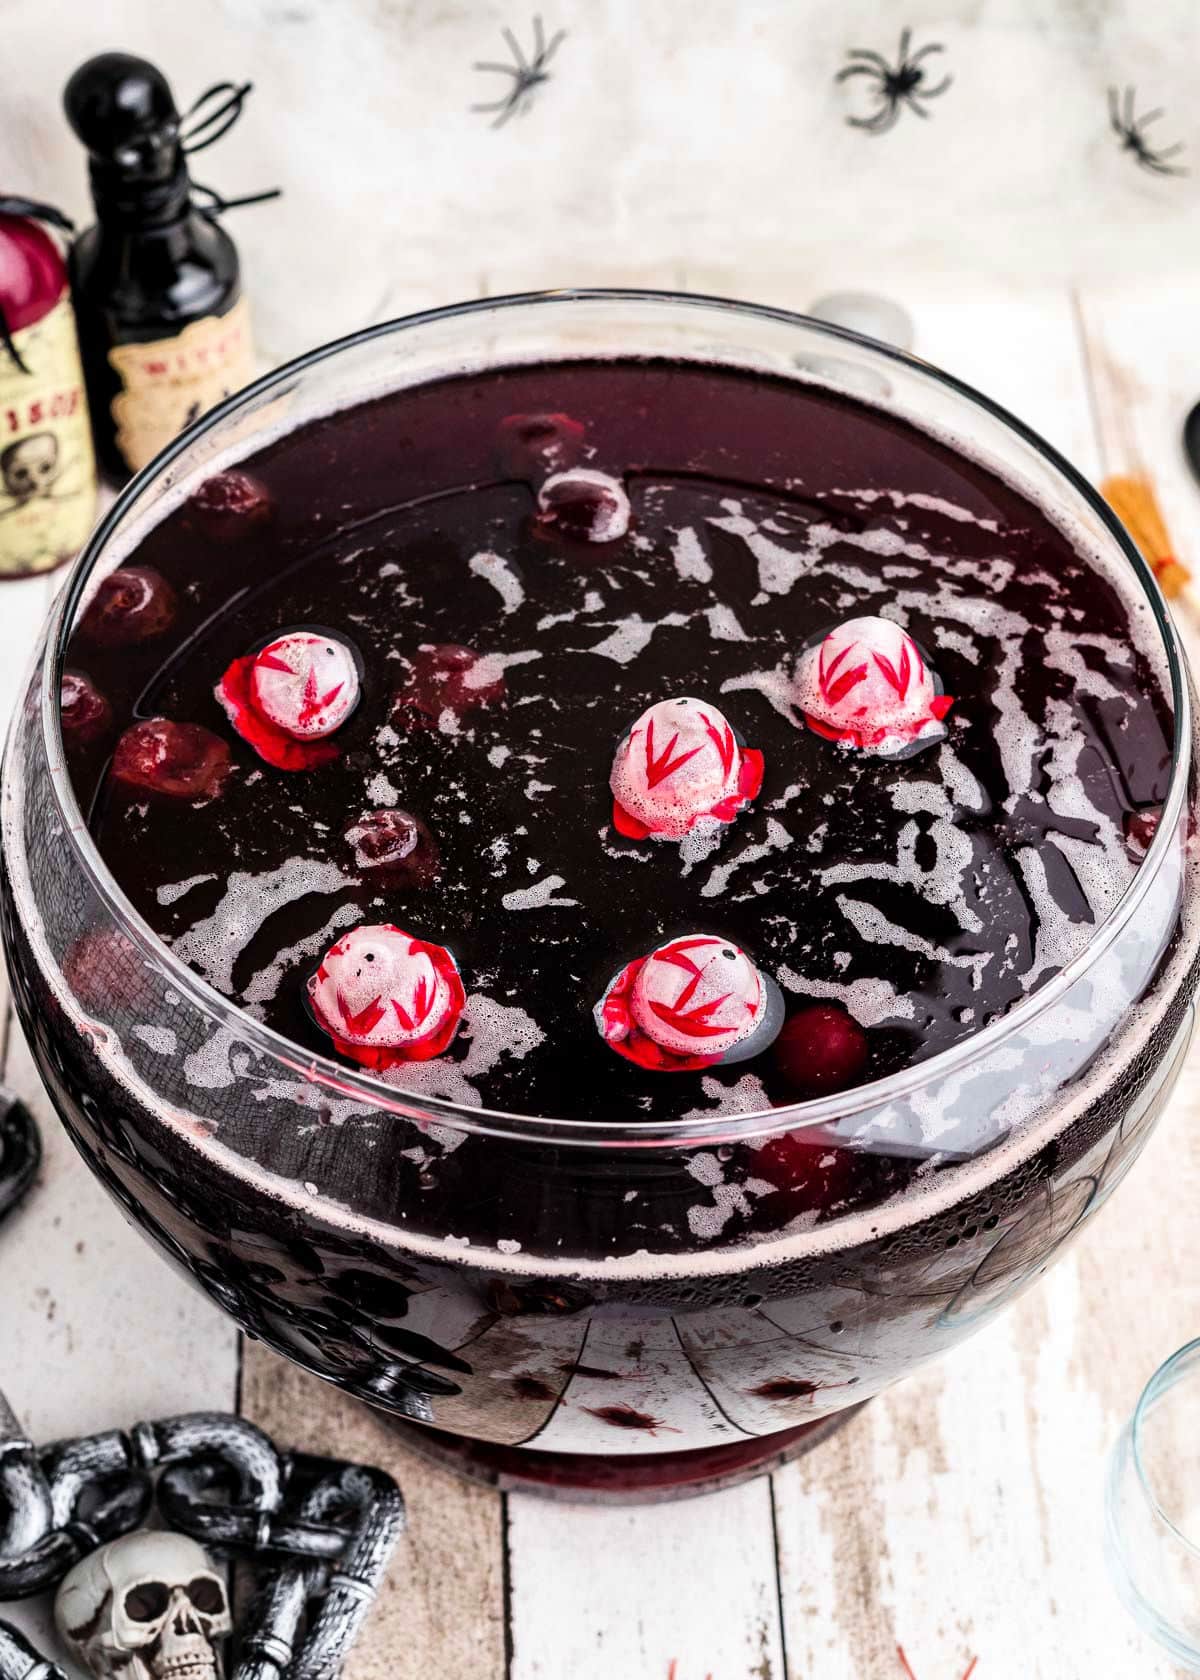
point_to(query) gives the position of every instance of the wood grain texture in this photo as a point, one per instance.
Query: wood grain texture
(669, 1592)
(440, 1611)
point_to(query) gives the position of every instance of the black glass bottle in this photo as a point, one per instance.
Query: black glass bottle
(163, 325)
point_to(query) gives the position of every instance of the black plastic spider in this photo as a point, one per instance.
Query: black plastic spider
(905, 84)
(526, 74)
(1132, 132)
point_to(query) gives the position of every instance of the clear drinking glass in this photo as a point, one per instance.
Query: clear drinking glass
(1153, 1516)
(280, 1180)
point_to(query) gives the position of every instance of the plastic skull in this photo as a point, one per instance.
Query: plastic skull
(148, 1606)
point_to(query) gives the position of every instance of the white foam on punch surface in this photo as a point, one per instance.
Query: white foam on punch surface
(213, 944)
(497, 571)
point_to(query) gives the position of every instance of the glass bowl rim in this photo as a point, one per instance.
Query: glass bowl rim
(1169, 1373)
(322, 1070)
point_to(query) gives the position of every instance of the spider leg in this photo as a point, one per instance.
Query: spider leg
(1171, 151)
(1150, 116)
(1114, 111)
(511, 107)
(934, 46)
(556, 41)
(932, 93)
(913, 106)
(856, 70)
(495, 105)
(505, 69)
(1157, 167)
(1130, 94)
(539, 39)
(881, 122)
(905, 42)
(514, 48)
(872, 57)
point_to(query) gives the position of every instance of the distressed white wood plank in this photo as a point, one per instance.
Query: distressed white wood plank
(440, 1609)
(24, 603)
(960, 1514)
(673, 1592)
(1145, 377)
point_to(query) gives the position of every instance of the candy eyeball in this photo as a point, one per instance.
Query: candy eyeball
(289, 695)
(692, 1003)
(868, 686)
(681, 762)
(305, 683)
(385, 996)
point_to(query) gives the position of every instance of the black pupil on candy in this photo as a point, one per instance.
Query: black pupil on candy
(147, 1601)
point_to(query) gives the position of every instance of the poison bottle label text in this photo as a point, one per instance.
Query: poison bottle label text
(171, 382)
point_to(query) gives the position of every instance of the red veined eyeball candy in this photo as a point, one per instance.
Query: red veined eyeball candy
(868, 685)
(288, 696)
(680, 762)
(384, 996)
(690, 1004)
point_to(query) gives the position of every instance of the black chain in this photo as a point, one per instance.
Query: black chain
(321, 1528)
(20, 1145)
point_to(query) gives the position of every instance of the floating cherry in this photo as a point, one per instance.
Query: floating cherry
(232, 505)
(820, 1048)
(106, 972)
(384, 996)
(180, 760)
(810, 1174)
(681, 762)
(536, 444)
(868, 686)
(85, 713)
(447, 677)
(133, 604)
(583, 505)
(395, 845)
(691, 1003)
(1140, 829)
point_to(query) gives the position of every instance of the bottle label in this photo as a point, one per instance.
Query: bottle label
(173, 381)
(47, 469)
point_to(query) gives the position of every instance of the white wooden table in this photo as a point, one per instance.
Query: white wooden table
(959, 1516)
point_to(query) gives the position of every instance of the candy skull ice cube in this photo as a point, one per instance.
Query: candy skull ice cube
(868, 686)
(680, 762)
(689, 1004)
(286, 697)
(385, 996)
